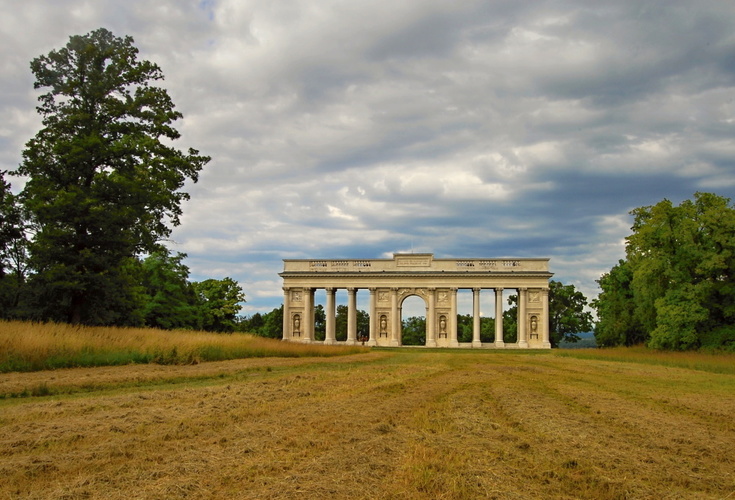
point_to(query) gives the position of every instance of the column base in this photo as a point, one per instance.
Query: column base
(499, 343)
(395, 343)
(431, 343)
(546, 345)
(522, 344)
(476, 343)
(454, 343)
(329, 342)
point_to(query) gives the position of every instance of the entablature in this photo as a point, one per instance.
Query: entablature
(415, 263)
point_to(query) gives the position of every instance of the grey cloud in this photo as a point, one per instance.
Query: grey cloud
(357, 129)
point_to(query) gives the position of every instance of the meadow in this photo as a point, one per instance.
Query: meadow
(396, 424)
(28, 346)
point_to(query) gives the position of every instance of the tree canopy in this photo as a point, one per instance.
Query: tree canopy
(676, 287)
(104, 183)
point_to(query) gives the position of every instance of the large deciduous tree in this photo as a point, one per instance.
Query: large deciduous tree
(104, 182)
(676, 288)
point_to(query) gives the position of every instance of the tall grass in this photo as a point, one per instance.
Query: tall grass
(35, 346)
(694, 360)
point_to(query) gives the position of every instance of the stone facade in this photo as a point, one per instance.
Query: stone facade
(436, 281)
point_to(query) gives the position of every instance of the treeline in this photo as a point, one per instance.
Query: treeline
(154, 291)
(675, 289)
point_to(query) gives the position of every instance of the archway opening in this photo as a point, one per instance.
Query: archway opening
(413, 321)
(510, 317)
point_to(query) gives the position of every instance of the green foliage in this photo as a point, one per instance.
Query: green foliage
(510, 321)
(676, 288)
(567, 313)
(320, 323)
(219, 303)
(272, 324)
(617, 322)
(413, 331)
(103, 182)
(12, 250)
(464, 327)
(170, 300)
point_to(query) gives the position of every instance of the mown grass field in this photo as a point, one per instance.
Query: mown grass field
(397, 424)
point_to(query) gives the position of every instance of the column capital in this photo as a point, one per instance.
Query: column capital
(499, 288)
(522, 289)
(372, 289)
(286, 288)
(329, 289)
(476, 289)
(351, 289)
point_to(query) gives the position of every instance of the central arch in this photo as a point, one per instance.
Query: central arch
(413, 309)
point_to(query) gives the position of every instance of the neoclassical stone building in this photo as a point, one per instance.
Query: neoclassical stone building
(391, 281)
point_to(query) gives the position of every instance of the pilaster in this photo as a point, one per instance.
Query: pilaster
(351, 316)
(453, 342)
(286, 313)
(499, 341)
(330, 336)
(522, 317)
(395, 318)
(431, 319)
(373, 319)
(545, 320)
(476, 342)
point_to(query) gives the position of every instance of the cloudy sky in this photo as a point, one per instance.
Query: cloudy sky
(360, 128)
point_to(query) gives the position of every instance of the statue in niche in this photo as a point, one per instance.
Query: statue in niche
(383, 325)
(442, 326)
(534, 327)
(297, 325)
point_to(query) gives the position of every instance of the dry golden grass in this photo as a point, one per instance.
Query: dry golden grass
(28, 346)
(717, 362)
(404, 424)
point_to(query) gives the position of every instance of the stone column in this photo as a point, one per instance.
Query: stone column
(544, 323)
(307, 322)
(395, 319)
(431, 319)
(351, 316)
(329, 335)
(453, 342)
(286, 313)
(499, 317)
(522, 319)
(373, 319)
(476, 342)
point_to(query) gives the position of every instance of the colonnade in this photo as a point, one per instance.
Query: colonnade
(385, 313)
